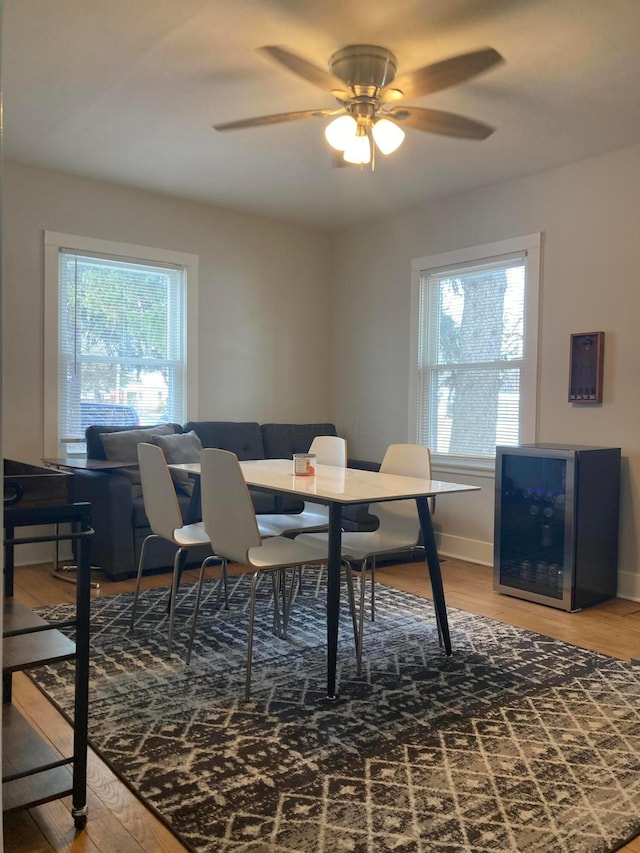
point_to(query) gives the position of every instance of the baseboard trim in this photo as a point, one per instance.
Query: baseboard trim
(474, 551)
(459, 548)
(629, 585)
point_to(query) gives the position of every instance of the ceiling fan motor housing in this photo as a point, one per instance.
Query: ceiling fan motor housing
(366, 68)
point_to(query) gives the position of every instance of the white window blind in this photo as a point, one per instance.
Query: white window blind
(121, 342)
(471, 356)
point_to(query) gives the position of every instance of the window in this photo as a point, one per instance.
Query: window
(475, 349)
(121, 342)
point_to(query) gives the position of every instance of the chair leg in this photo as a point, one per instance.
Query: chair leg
(319, 579)
(181, 564)
(363, 576)
(223, 582)
(276, 581)
(287, 600)
(139, 578)
(174, 593)
(196, 608)
(352, 607)
(373, 589)
(252, 610)
(282, 583)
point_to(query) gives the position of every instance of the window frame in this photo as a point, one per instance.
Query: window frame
(531, 244)
(55, 241)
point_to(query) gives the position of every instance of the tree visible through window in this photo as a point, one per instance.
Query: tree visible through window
(472, 355)
(121, 342)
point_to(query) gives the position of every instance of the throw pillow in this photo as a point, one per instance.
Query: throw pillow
(123, 447)
(178, 448)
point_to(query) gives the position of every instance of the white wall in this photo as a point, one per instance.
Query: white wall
(589, 214)
(262, 330)
(258, 286)
(271, 293)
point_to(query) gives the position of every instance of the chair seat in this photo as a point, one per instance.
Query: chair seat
(359, 545)
(191, 534)
(312, 518)
(267, 530)
(283, 552)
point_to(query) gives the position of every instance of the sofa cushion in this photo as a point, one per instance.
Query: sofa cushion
(178, 448)
(281, 441)
(140, 519)
(242, 438)
(93, 437)
(122, 446)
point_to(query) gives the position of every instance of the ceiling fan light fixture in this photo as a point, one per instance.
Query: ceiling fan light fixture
(387, 135)
(358, 151)
(341, 132)
(362, 78)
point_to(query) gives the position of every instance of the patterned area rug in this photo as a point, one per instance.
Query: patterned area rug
(515, 743)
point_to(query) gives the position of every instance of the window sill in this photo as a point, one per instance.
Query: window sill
(460, 466)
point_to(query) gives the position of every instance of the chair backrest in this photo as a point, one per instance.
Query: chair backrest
(158, 491)
(400, 518)
(227, 511)
(330, 450)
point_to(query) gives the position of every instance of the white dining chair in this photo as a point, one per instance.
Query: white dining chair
(166, 522)
(398, 530)
(229, 519)
(329, 450)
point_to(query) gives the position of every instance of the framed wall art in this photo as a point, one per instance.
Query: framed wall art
(586, 363)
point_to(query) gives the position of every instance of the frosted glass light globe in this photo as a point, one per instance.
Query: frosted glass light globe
(358, 150)
(340, 132)
(388, 136)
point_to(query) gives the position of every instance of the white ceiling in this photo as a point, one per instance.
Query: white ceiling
(127, 91)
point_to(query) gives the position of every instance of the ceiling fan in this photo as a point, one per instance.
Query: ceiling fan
(362, 78)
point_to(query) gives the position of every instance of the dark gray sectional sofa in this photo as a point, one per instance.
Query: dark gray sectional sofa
(118, 515)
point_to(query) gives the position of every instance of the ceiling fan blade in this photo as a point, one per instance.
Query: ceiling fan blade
(441, 75)
(437, 121)
(309, 72)
(276, 118)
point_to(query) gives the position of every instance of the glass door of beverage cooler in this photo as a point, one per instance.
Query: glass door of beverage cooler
(534, 554)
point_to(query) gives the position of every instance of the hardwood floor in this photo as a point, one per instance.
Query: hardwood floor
(117, 819)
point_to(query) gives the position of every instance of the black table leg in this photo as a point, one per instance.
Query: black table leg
(9, 533)
(433, 564)
(81, 712)
(333, 595)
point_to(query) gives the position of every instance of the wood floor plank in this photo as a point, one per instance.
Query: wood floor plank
(23, 835)
(109, 801)
(118, 821)
(56, 824)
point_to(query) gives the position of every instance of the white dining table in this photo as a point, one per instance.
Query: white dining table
(339, 487)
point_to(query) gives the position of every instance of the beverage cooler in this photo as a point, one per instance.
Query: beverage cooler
(556, 523)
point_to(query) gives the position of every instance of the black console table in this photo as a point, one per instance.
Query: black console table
(32, 773)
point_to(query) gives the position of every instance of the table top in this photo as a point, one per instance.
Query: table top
(336, 485)
(84, 464)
